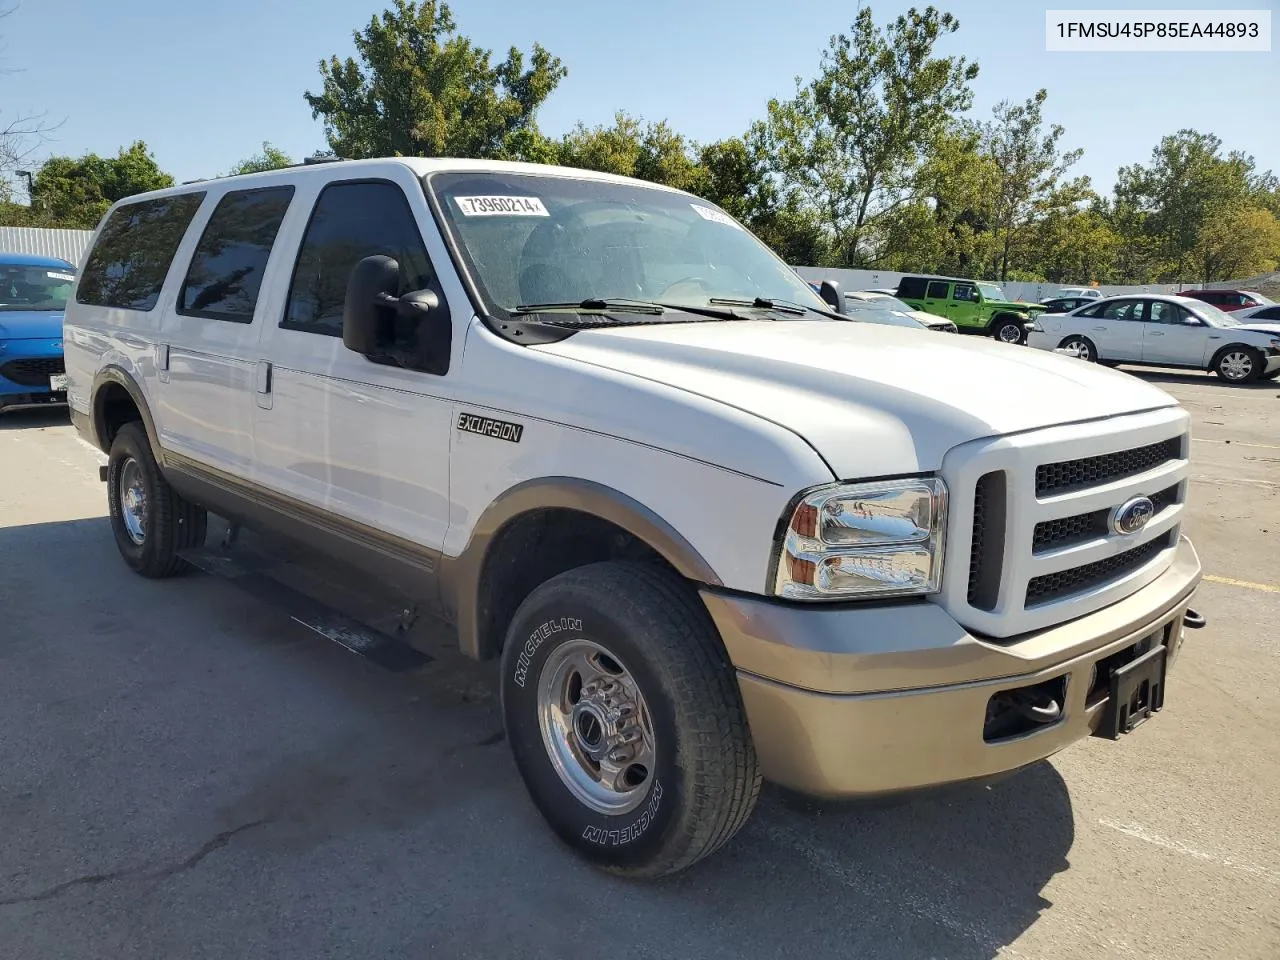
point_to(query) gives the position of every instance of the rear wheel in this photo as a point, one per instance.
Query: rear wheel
(1081, 348)
(150, 521)
(1238, 364)
(624, 716)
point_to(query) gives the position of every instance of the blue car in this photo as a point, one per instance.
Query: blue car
(33, 297)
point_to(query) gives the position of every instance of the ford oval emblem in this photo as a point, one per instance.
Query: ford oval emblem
(1132, 515)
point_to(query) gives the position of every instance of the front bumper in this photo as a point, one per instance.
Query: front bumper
(857, 701)
(25, 369)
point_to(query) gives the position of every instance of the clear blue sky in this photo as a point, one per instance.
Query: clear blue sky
(205, 84)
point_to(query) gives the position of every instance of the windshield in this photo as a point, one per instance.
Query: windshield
(1216, 317)
(536, 239)
(869, 314)
(991, 291)
(23, 287)
(877, 301)
(1258, 298)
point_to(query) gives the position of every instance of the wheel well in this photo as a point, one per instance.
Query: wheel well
(1230, 346)
(536, 546)
(1006, 315)
(113, 407)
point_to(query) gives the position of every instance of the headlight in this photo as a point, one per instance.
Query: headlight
(855, 540)
(1034, 327)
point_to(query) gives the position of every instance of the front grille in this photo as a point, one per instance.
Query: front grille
(1069, 475)
(33, 373)
(1069, 531)
(986, 554)
(1054, 586)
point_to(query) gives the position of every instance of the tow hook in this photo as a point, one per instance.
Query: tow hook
(1192, 620)
(1036, 706)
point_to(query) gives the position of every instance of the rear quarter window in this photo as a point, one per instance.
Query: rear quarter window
(128, 264)
(912, 287)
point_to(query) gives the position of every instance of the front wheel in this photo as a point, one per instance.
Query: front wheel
(1009, 331)
(1238, 364)
(625, 719)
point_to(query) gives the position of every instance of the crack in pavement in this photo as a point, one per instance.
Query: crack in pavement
(145, 873)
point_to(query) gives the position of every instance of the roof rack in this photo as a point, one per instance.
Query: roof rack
(308, 161)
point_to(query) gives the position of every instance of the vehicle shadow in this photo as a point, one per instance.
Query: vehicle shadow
(30, 418)
(332, 764)
(1193, 378)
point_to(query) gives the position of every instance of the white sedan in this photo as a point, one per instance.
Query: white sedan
(1163, 331)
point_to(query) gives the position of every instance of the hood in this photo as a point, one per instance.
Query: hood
(872, 400)
(925, 317)
(1020, 305)
(30, 325)
(1263, 327)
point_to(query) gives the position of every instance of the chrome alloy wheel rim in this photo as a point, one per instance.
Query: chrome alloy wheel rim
(1010, 334)
(133, 501)
(1237, 365)
(596, 727)
(1078, 349)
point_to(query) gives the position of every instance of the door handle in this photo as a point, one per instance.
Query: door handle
(1100, 329)
(162, 361)
(1155, 333)
(262, 384)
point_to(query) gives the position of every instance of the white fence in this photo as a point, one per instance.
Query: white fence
(68, 245)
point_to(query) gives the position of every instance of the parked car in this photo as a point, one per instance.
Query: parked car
(1075, 293)
(873, 301)
(1263, 313)
(1165, 331)
(1230, 300)
(711, 532)
(33, 296)
(1067, 304)
(974, 306)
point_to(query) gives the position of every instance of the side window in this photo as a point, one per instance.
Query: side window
(127, 266)
(1271, 313)
(913, 287)
(351, 221)
(1093, 311)
(938, 290)
(965, 292)
(1161, 311)
(1122, 310)
(226, 270)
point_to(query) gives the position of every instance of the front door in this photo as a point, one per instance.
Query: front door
(1173, 335)
(366, 442)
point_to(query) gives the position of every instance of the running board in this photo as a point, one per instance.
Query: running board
(383, 649)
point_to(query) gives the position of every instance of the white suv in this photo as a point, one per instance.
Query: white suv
(713, 531)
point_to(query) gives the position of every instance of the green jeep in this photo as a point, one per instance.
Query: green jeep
(974, 306)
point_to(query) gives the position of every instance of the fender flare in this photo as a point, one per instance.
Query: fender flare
(460, 576)
(113, 374)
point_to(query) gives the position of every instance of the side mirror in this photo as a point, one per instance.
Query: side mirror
(412, 331)
(830, 292)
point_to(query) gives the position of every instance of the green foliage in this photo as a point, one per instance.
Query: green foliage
(271, 158)
(421, 89)
(849, 144)
(1239, 242)
(71, 192)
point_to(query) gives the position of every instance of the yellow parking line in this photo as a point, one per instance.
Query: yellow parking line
(1265, 587)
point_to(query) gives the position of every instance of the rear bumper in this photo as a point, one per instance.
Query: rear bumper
(862, 701)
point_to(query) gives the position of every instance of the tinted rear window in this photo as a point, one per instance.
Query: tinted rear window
(912, 287)
(231, 257)
(128, 264)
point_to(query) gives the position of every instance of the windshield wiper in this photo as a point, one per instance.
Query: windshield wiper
(595, 305)
(765, 303)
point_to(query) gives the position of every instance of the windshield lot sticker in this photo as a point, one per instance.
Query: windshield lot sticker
(501, 207)
(487, 427)
(715, 216)
(61, 276)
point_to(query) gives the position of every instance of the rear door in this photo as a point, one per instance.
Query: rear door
(935, 297)
(207, 355)
(1115, 327)
(1173, 335)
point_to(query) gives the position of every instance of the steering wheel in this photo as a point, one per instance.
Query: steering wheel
(689, 286)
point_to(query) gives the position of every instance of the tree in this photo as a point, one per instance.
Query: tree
(1186, 183)
(1238, 243)
(1029, 167)
(633, 148)
(271, 158)
(77, 192)
(421, 89)
(850, 141)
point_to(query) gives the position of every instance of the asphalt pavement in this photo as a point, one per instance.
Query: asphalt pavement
(186, 772)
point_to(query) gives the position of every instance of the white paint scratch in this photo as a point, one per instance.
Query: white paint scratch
(1139, 832)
